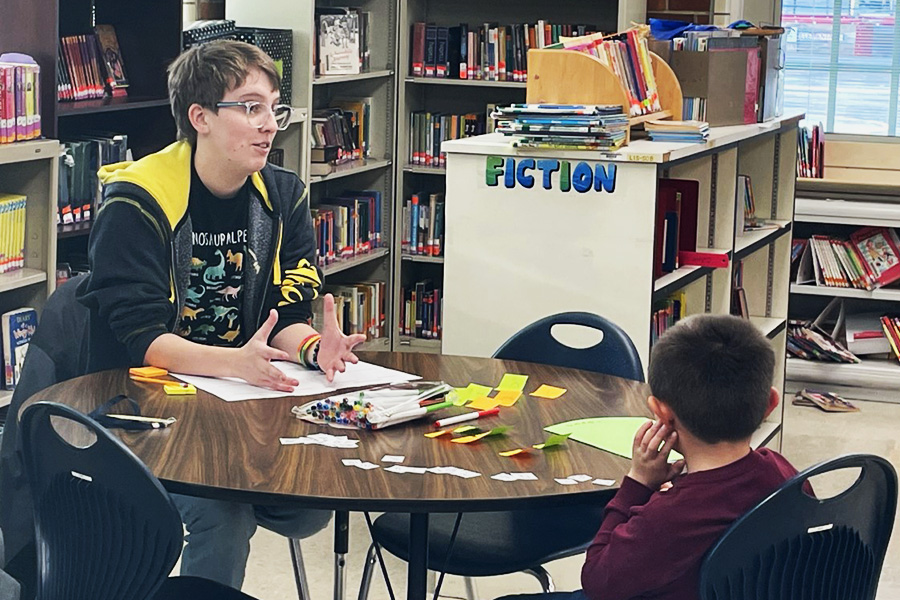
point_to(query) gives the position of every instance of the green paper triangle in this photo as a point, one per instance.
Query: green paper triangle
(612, 434)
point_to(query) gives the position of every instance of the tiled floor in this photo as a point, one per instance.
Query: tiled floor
(810, 436)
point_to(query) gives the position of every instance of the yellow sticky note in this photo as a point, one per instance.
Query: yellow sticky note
(179, 389)
(554, 440)
(516, 452)
(435, 434)
(465, 429)
(483, 403)
(511, 381)
(548, 391)
(148, 371)
(470, 392)
(507, 397)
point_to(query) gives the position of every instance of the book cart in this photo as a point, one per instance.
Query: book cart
(522, 243)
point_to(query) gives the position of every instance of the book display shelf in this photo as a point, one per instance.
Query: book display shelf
(586, 242)
(451, 96)
(859, 190)
(30, 169)
(377, 85)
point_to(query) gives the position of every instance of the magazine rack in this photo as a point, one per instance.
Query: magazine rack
(572, 77)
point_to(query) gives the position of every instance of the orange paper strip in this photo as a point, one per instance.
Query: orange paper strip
(468, 439)
(435, 434)
(516, 452)
(548, 391)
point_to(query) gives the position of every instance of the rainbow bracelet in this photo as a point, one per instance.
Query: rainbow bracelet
(304, 347)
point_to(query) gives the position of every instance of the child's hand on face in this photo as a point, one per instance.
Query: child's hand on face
(650, 449)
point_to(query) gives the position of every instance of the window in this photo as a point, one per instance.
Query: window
(842, 63)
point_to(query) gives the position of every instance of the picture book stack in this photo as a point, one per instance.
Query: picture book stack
(677, 131)
(665, 314)
(12, 232)
(360, 308)
(811, 152)
(80, 193)
(423, 225)
(348, 225)
(20, 98)
(746, 218)
(427, 130)
(868, 260)
(488, 52)
(827, 401)
(342, 41)
(90, 66)
(18, 327)
(808, 341)
(341, 133)
(420, 310)
(563, 126)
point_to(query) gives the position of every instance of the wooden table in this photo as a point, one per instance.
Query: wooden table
(231, 450)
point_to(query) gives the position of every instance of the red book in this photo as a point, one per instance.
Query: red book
(879, 248)
(418, 50)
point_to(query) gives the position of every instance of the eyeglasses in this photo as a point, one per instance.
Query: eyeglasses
(258, 113)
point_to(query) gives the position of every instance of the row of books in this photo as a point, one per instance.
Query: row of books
(360, 308)
(563, 126)
(423, 225)
(20, 98)
(428, 130)
(869, 259)
(666, 313)
(342, 41)
(347, 226)
(90, 66)
(489, 52)
(80, 193)
(342, 131)
(420, 310)
(12, 232)
(811, 152)
(627, 55)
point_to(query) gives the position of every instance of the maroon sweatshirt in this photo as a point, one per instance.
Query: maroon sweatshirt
(651, 544)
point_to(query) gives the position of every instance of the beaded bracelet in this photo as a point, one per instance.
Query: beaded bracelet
(304, 347)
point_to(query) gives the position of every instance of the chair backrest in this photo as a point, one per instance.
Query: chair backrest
(792, 545)
(105, 527)
(613, 355)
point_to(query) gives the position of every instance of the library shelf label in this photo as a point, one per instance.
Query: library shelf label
(581, 177)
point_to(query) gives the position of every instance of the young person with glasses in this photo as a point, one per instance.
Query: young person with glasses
(203, 261)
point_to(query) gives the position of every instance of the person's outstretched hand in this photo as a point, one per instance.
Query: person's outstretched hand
(650, 452)
(335, 348)
(253, 364)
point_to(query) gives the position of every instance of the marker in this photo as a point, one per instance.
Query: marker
(466, 417)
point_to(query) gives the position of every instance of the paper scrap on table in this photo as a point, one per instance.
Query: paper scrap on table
(468, 439)
(322, 439)
(548, 391)
(580, 478)
(554, 440)
(455, 471)
(612, 434)
(516, 452)
(466, 429)
(606, 482)
(355, 462)
(472, 391)
(361, 374)
(514, 477)
(391, 458)
(566, 481)
(403, 469)
(435, 434)
(483, 403)
(512, 382)
(507, 397)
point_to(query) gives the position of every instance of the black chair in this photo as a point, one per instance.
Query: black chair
(497, 543)
(792, 545)
(105, 527)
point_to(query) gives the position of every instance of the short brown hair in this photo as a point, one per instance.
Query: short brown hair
(715, 373)
(203, 74)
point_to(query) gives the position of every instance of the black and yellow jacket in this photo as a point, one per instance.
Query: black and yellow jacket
(140, 254)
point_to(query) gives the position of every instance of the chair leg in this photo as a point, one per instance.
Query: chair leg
(299, 570)
(368, 568)
(341, 547)
(541, 574)
(471, 589)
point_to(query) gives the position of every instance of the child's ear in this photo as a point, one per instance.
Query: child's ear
(197, 117)
(774, 397)
(661, 410)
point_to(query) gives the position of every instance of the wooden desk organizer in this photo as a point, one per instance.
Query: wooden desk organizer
(571, 77)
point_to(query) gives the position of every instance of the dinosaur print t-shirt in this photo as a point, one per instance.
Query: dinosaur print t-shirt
(212, 309)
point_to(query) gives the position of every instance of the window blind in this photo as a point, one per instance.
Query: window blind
(842, 63)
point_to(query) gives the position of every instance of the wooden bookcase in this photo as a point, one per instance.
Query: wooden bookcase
(516, 255)
(465, 96)
(31, 169)
(310, 93)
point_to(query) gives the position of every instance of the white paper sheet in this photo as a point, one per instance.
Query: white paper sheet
(361, 374)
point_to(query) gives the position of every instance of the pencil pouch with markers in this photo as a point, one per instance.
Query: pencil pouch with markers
(378, 407)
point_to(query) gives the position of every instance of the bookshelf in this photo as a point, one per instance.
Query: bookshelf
(31, 168)
(458, 96)
(526, 253)
(310, 93)
(840, 206)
